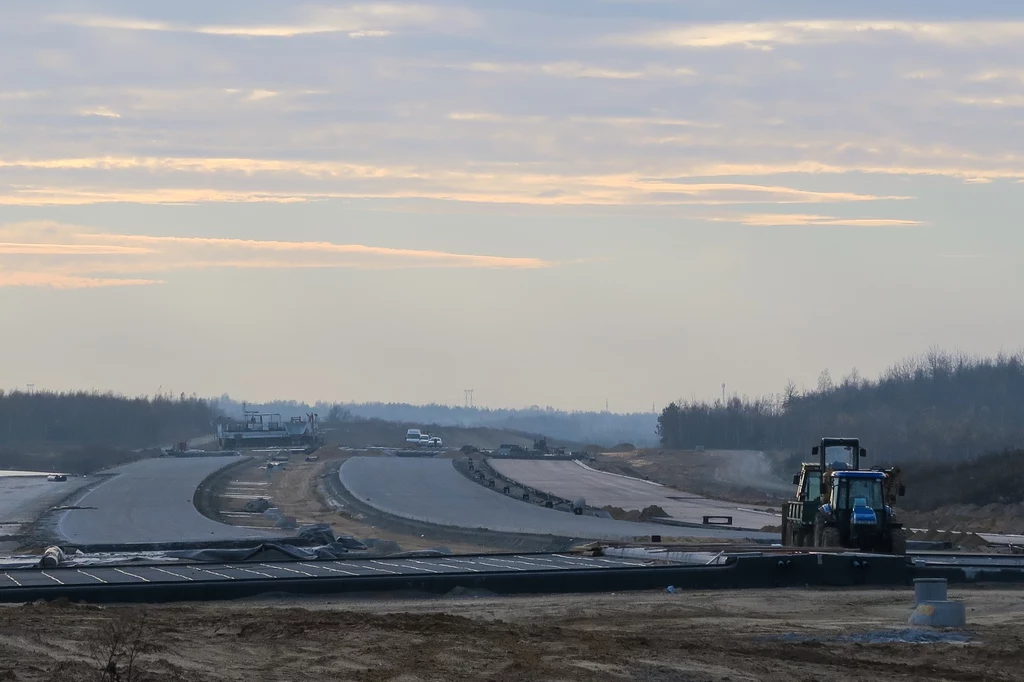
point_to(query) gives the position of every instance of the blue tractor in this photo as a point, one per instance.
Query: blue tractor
(840, 505)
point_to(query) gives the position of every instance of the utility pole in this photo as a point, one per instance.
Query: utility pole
(723, 394)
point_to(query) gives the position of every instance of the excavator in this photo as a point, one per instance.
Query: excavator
(839, 504)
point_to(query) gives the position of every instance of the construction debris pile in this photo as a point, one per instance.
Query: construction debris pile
(646, 514)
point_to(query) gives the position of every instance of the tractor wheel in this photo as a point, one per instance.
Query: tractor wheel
(802, 539)
(830, 537)
(818, 532)
(899, 541)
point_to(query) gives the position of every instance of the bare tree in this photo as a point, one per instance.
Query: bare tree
(119, 645)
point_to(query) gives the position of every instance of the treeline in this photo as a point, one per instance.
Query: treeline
(940, 406)
(579, 427)
(59, 420)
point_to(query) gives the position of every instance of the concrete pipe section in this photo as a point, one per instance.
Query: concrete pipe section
(571, 480)
(432, 491)
(149, 501)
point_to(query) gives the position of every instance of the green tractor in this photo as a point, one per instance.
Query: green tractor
(840, 505)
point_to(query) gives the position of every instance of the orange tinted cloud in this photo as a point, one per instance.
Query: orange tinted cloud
(766, 35)
(779, 219)
(317, 180)
(66, 256)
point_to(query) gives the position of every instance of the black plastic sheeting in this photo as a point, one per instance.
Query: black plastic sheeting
(316, 542)
(268, 551)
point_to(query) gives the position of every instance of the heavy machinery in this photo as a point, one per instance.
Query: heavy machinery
(838, 504)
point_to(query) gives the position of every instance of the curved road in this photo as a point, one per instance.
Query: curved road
(150, 501)
(432, 491)
(571, 481)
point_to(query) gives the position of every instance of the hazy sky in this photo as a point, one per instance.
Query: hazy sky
(548, 202)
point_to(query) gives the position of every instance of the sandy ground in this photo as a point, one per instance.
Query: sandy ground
(295, 492)
(744, 635)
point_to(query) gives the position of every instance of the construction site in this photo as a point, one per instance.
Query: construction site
(473, 563)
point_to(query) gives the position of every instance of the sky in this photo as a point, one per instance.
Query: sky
(562, 204)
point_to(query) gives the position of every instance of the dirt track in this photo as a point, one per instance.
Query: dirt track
(748, 635)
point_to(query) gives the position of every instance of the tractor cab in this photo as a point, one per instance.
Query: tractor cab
(808, 482)
(856, 513)
(840, 453)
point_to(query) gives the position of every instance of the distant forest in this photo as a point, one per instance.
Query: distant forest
(60, 420)
(940, 406)
(603, 428)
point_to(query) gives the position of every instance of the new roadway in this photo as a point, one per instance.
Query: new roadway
(572, 480)
(432, 491)
(149, 502)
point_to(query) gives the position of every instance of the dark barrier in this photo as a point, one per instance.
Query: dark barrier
(968, 574)
(739, 573)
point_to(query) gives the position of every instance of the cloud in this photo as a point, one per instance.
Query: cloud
(779, 220)
(264, 181)
(357, 20)
(257, 95)
(1008, 100)
(68, 256)
(487, 117)
(997, 75)
(548, 190)
(44, 249)
(121, 23)
(575, 69)
(767, 35)
(642, 121)
(102, 112)
(924, 74)
(54, 280)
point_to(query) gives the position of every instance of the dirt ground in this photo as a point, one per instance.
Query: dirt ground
(991, 518)
(295, 491)
(739, 475)
(743, 635)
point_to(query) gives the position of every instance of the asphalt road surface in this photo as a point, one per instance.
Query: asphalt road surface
(23, 498)
(572, 481)
(150, 501)
(432, 491)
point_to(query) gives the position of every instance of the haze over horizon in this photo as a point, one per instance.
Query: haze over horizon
(631, 200)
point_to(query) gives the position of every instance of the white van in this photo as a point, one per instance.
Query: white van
(413, 436)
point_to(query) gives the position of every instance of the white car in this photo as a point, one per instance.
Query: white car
(435, 442)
